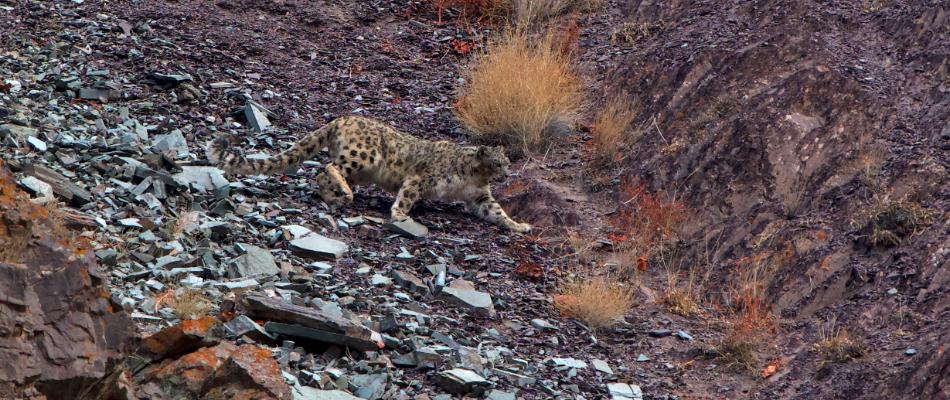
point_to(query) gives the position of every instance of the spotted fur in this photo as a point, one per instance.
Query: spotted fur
(364, 151)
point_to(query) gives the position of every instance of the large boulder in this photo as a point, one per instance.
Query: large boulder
(59, 332)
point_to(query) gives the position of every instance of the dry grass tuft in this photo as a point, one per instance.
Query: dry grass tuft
(599, 302)
(537, 12)
(751, 321)
(836, 345)
(480, 9)
(189, 304)
(608, 130)
(645, 225)
(886, 222)
(520, 92)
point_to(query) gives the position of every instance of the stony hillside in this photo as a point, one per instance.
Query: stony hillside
(802, 146)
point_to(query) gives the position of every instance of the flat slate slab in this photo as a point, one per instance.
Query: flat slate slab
(319, 247)
(408, 228)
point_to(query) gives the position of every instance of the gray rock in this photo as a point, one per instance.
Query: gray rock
(660, 333)
(246, 284)
(36, 187)
(319, 247)
(910, 351)
(292, 232)
(496, 394)
(107, 256)
(602, 366)
(478, 302)
(624, 391)
(514, 378)
(37, 144)
(460, 382)
(543, 325)
(567, 363)
(370, 386)
(98, 94)
(201, 178)
(311, 323)
(244, 326)
(309, 393)
(410, 281)
(63, 187)
(643, 358)
(255, 262)
(408, 228)
(17, 132)
(380, 280)
(683, 335)
(173, 141)
(256, 117)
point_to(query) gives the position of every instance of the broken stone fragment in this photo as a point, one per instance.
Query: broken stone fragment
(311, 323)
(543, 325)
(624, 391)
(408, 228)
(98, 94)
(244, 326)
(309, 393)
(315, 246)
(251, 373)
(370, 386)
(410, 281)
(183, 338)
(63, 187)
(567, 363)
(201, 178)
(462, 294)
(255, 262)
(256, 116)
(173, 141)
(496, 394)
(602, 366)
(460, 382)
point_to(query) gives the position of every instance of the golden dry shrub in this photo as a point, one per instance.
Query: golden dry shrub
(534, 12)
(519, 92)
(608, 130)
(190, 304)
(598, 302)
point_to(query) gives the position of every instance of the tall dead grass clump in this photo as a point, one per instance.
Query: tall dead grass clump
(597, 301)
(608, 130)
(836, 345)
(750, 321)
(520, 92)
(480, 9)
(645, 226)
(535, 12)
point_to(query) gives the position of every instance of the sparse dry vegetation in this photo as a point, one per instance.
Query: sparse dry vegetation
(520, 92)
(886, 222)
(189, 303)
(535, 12)
(835, 345)
(609, 128)
(749, 322)
(645, 225)
(26, 221)
(597, 301)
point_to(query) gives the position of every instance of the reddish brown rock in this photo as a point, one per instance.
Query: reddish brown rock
(224, 371)
(183, 338)
(59, 332)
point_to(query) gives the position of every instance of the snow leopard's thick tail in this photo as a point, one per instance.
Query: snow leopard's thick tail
(221, 152)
